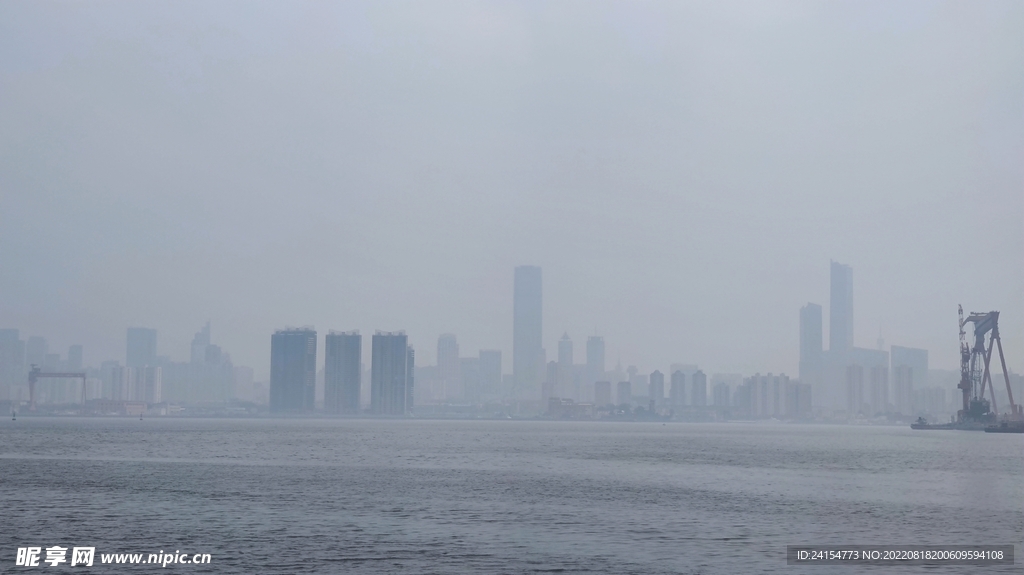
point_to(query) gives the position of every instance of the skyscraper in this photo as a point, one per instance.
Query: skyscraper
(656, 387)
(391, 374)
(854, 390)
(490, 373)
(293, 370)
(624, 393)
(200, 342)
(840, 312)
(879, 392)
(602, 393)
(811, 353)
(342, 374)
(469, 371)
(916, 359)
(677, 388)
(36, 349)
(410, 377)
(141, 348)
(12, 363)
(448, 367)
(699, 389)
(595, 359)
(564, 379)
(526, 332)
(75, 358)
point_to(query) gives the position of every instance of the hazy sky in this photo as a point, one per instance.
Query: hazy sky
(682, 171)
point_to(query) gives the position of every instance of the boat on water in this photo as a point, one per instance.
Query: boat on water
(921, 423)
(1006, 427)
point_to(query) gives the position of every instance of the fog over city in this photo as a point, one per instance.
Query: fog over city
(683, 173)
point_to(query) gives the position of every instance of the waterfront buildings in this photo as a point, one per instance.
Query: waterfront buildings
(527, 346)
(342, 371)
(449, 382)
(391, 374)
(141, 347)
(293, 370)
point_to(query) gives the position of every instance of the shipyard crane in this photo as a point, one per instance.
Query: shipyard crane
(975, 376)
(36, 373)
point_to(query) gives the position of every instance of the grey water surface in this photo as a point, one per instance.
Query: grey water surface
(407, 496)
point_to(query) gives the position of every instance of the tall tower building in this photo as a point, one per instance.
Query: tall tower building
(811, 353)
(699, 390)
(200, 342)
(490, 373)
(75, 358)
(565, 383)
(840, 312)
(36, 350)
(595, 359)
(677, 388)
(141, 349)
(448, 367)
(391, 374)
(410, 377)
(656, 387)
(12, 363)
(527, 347)
(293, 370)
(342, 373)
(916, 359)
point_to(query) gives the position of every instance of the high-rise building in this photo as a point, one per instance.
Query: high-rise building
(244, 383)
(75, 358)
(123, 383)
(36, 349)
(527, 346)
(656, 387)
(410, 377)
(811, 352)
(148, 384)
(720, 394)
(549, 388)
(141, 349)
(12, 363)
(469, 371)
(391, 374)
(677, 389)
(342, 375)
(840, 311)
(854, 390)
(916, 359)
(624, 393)
(565, 379)
(699, 390)
(200, 342)
(798, 400)
(448, 367)
(879, 393)
(903, 389)
(595, 359)
(602, 393)
(490, 373)
(293, 370)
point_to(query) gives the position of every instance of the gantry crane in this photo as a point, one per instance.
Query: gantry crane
(975, 376)
(35, 373)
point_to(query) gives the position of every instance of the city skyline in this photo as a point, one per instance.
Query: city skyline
(142, 341)
(686, 212)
